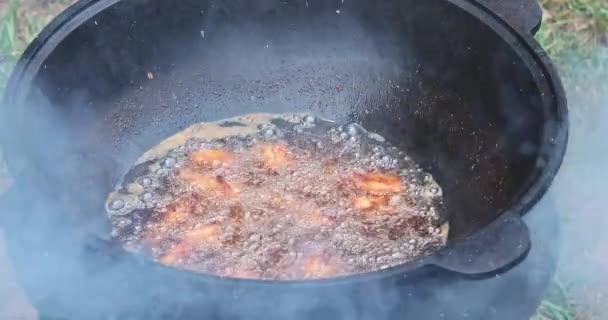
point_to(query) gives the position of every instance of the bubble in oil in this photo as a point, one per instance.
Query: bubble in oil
(309, 119)
(145, 182)
(251, 142)
(353, 130)
(123, 222)
(427, 177)
(147, 197)
(269, 133)
(435, 216)
(117, 205)
(264, 126)
(169, 162)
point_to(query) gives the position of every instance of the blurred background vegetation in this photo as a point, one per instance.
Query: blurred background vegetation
(574, 33)
(20, 22)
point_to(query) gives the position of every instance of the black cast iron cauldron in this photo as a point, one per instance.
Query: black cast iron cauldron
(469, 94)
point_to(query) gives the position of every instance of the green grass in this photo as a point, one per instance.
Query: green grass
(8, 42)
(557, 305)
(575, 35)
(551, 311)
(20, 22)
(574, 31)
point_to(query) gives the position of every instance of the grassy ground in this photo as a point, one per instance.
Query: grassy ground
(20, 22)
(574, 33)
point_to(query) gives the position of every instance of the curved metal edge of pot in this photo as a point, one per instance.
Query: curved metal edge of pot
(19, 82)
(48, 38)
(550, 159)
(524, 14)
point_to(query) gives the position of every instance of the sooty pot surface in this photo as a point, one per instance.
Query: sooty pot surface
(444, 80)
(465, 101)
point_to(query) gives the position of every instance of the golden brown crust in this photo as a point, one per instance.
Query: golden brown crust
(378, 183)
(217, 184)
(274, 156)
(209, 157)
(371, 204)
(200, 237)
(319, 267)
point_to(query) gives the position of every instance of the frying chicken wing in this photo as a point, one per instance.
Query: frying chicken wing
(318, 267)
(274, 156)
(212, 156)
(310, 215)
(176, 214)
(205, 236)
(206, 182)
(378, 183)
(317, 220)
(371, 203)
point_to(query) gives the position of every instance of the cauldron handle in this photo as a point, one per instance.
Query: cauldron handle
(497, 247)
(525, 15)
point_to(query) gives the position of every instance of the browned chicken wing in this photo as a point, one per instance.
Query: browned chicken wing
(319, 267)
(274, 156)
(212, 156)
(378, 183)
(371, 204)
(204, 236)
(207, 183)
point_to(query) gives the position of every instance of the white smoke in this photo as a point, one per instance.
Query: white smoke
(580, 188)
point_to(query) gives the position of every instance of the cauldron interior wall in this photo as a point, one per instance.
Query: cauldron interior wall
(431, 78)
